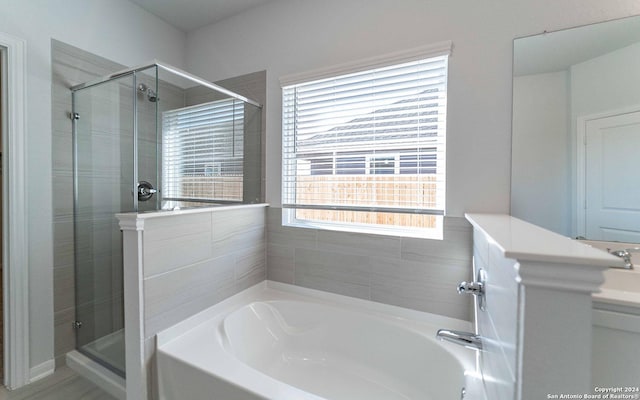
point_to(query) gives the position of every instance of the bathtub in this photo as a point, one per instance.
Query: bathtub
(282, 342)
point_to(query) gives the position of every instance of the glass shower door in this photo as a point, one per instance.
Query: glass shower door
(104, 182)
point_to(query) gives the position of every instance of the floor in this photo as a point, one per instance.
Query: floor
(64, 384)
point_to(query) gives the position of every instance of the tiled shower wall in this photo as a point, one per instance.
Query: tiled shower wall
(415, 273)
(71, 66)
(106, 156)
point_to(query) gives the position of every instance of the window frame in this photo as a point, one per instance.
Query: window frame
(289, 210)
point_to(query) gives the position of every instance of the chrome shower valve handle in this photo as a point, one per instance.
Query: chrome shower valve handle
(476, 288)
(145, 190)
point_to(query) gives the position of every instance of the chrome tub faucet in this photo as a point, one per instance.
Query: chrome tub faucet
(466, 339)
(625, 254)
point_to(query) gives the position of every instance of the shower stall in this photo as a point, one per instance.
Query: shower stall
(148, 139)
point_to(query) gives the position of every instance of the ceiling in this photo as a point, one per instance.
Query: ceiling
(557, 51)
(188, 15)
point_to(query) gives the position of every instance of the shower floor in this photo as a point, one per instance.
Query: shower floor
(109, 348)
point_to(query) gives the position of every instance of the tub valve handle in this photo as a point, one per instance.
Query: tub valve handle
(476, 288)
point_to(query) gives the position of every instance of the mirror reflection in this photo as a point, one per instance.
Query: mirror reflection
(576, 131)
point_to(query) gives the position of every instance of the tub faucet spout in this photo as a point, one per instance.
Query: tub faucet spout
(466, 339)
(625, 254)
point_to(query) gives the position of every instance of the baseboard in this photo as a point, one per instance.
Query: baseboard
(41, 371)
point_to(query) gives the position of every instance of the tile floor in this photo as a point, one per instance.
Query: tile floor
(64, 384)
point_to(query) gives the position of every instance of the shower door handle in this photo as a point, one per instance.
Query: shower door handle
(145, 190)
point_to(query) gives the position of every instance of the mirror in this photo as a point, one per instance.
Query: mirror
(576, 131)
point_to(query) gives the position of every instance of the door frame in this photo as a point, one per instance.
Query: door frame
(581, 163)
(15, 238)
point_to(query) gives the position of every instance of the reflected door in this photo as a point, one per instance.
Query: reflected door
(612, 178)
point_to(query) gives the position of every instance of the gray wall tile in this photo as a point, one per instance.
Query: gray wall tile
(231, 256)
(345, 274)
(176, 242)
(456, 244)
(170, 297)
(250, 264)
(237, 230)
(359, 243)
(280, 262)
(421, 274)
(64, 336)
(429, 286)
(64, 297)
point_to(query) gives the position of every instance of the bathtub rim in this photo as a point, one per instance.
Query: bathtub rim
(267, 286)
(271, 290)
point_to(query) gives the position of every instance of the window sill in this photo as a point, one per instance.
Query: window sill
(418, 233)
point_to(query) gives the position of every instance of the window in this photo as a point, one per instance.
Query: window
(365, 151)
(382, 164)
(202, 150)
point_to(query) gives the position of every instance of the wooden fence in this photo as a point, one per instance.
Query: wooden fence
(227, 188)
(410, 191)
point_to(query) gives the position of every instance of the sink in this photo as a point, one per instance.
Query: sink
(622, 280)
(621, 287)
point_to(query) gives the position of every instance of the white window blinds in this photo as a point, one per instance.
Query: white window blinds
(368, 141)
(202, 149)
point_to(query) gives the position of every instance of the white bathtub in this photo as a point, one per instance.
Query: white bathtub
(281, 342)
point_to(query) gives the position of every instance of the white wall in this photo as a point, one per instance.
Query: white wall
(115, 29)
(291, 36)
(606, 83)
(540, 180)
(609, 83)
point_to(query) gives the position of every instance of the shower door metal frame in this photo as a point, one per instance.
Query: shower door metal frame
(74, 118)
(171, 69)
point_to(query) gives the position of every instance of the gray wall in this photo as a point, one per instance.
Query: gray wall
(421, 274)
(540, 181)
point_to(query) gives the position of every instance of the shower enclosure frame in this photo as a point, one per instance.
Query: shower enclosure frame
(168, 68)
(130, 72)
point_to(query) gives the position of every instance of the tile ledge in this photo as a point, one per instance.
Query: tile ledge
(520, 240)
(169, 213)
